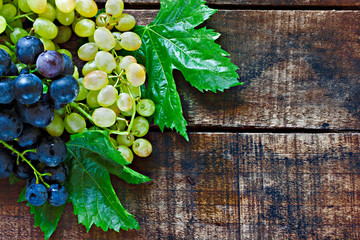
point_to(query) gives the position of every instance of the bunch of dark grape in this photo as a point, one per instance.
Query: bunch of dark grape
(30, 93)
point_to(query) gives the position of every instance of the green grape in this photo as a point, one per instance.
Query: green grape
(126, 140)
(65, 19)
(88, 51)
(1, 3)
(125, 23)
(91, 39)
(135, 74)
(52, 2)
(45, 28)
(104, 39)
(57, 47)
(95, 80)
(145, 107)
(142, 147)
(74, 123)
(83, 92)
(13, 24)
(86, 8)
(127, 113)
(24, 6)
(104, 117)
(130, 41)
(85, 28)
(91, 99)
(126, 153)
(49, 13)
(61, 112)
(37, 6)
(105, 61)
(8, 11)
(117, 40)
(64, 35)
(114, 8)
(143, 67)
(140, 126)
(89, 67)
(115, 108)
(56, 127)
(76, 19)
(124, 102)
(76, 74)
(19, 66)
(65, 51)
(65, 6)
(2, 24)
(107, 96)
(126, 61)
(113, 142)
(120, 124)
(102, 21)
(48, 44)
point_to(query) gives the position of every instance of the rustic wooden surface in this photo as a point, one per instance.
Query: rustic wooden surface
(276, 159)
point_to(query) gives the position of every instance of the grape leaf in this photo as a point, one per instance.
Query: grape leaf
(171, 42)
(90, 160)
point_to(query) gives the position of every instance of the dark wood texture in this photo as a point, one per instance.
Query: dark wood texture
(228, 186)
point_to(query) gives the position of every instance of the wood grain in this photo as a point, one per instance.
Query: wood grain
(227, 186)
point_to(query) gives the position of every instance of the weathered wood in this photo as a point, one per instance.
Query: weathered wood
(227, 186)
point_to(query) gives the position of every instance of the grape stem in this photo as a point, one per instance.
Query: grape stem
(21, 16)
(37, 174)
(134, 111)
(75, 105)
(9, 27)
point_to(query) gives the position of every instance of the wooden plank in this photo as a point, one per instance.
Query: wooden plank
(301, 70)
(227, 186)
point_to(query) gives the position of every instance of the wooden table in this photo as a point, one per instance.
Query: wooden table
(278, 158)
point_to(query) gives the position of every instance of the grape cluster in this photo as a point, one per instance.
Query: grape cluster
(30, 91)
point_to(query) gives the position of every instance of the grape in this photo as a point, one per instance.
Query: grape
(10, 125)
(48, 44)
(57, 195)
(104, 39)
(65, 6)
(58, 173)
(127, 113)
(64, 90)
(135, 74)
(64, 51)
(86, 8)
(140, 126)
(105, 61)
(51, 151)
(17, 34)
(29, 137)
(74, 123)
(102, 21)
(8, 11)
(145, 107)
(56, 127)
(95, 80)
(117, 40)
(2, 24)
(45, 28)
(130, 41)
(1, 3)
(104, 117)
(23, 5)
(49, 13)
(50, 64)
(107, 96)
(36, 194)
(13, 70)
(88, 51)
(124, 102)
(69, 66)
(38, 114)
(85, 28)
(23, 171)
(120, 124)
(37, 6)
(6, 164)
(64, 35)
(126, 61)
(89, 67)
(82, 91)
(126, 153)
(91, 99)
(114, 8)
(65, 19)
(126, 140)
(5, 62)
(125, 23)
(27, 88)
(28, 49)
(6, 93)
(142, 147)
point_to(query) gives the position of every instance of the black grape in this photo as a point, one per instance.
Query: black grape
(23, 170)
(64, 90)
(28, 49)
(6, 164)
(58, 173)
(13, 71)
(36, 194)
(52, 151)
(6, 91)
(29, 137)
(27, 88)
(69, 66)
(38, 114)
(5, 62)
(25, 71)
(10, 125)
(50, 64)
(57, 195)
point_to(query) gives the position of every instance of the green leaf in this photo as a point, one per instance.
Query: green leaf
(171, 42)
(22, 195)
(13, 179)
(90, 160)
